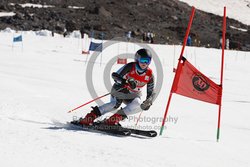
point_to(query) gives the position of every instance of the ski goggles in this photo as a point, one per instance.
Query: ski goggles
(144, 60)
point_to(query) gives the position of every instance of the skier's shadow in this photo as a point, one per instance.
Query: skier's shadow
(60, 126)
(67, 126)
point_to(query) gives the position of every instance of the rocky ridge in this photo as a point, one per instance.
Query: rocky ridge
(167, 19)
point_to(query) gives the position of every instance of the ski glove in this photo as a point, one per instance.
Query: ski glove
(146, 104)
(131, 83)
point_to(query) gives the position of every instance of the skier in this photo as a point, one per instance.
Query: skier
(128, 81)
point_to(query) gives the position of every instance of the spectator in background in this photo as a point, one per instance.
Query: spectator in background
(82, 31)
(220, 43)
(227, 43)
(189, 41)
(148, 38)
(144, 36)
(152, 35)
(128, 35)
(65, 33)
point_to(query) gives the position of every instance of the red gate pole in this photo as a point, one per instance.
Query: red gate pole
(183, 47)
(222, 70)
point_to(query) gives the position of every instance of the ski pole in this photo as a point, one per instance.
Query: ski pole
(94, 100)
(138, 119)
(88, 102)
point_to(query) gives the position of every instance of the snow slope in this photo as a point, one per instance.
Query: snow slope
(236, 9)
(44, 77)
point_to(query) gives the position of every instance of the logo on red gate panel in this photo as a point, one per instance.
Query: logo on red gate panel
(200, 83)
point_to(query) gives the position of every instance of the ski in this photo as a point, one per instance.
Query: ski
(115, 129)
(146, 133)
(106, 129)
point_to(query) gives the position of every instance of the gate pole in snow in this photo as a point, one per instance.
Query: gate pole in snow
(183, 47)
(222, 67)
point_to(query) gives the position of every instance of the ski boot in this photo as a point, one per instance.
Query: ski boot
(90, 117)
(116, 118)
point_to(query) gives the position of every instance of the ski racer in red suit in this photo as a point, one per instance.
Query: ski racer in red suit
(128, 81)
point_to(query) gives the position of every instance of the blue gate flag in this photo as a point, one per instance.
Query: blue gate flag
(95, 46)
(18, 39)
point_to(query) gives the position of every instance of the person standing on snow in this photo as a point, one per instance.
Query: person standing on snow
(128, 81)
